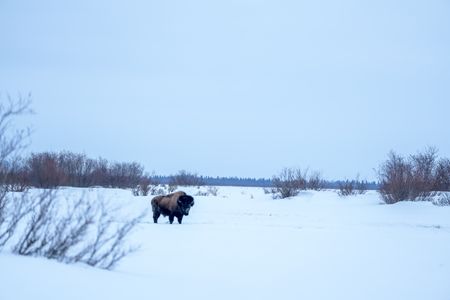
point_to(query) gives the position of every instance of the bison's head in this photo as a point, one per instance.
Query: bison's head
(185, 203)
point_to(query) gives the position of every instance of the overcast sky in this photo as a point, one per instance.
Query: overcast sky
(232, 87)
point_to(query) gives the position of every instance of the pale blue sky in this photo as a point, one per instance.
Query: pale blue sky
(232, 87)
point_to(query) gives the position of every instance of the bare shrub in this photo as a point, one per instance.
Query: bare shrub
(107, 245)
(352, 187)
(423, 174)
(184, 178)
(162, 189)
(77, 169)
(125, 175)
(210, 191)
(14, 176)
(171, 188)
(100, 175)
(44, 170)
(201, 193)
(37, 233)
(136, 191)
(315, 181)
(12, 142)
(213, 190)
(361, 187)
(74, 231)
(147, 186)
(442, 175)
(289, 182)
(395, 176)
(416, 177)
(51, 169)
(267, 191)
(13, 209)
(159, 190)
(346, 188)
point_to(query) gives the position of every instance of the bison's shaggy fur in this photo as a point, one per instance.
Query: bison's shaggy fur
(173, 205)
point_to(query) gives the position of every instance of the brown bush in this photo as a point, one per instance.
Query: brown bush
(289, 182)
(442, 175)
(315, 181)
(416, 177)
(352, 187)
(14, 176)
(45, 171)
(395, 176)
(147, 186)
(49, 169)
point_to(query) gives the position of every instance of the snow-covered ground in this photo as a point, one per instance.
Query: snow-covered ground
(242, 244)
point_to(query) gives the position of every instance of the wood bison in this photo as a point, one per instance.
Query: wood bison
(173, 205)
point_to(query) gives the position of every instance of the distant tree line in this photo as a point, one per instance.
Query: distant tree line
(216, 181)
(185, 178)
(337, 184)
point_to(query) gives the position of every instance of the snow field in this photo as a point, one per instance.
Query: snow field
(242, 244)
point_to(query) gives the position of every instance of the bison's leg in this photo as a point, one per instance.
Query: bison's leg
(180, 218)
(171, 219)
(155, 217)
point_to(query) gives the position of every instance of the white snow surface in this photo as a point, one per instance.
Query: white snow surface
(242, 244)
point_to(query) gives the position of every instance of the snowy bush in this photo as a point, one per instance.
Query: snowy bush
(171, 188)
(153, 189)
(210, 191)
(441, 199)
(213, 190)
(147, 186)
